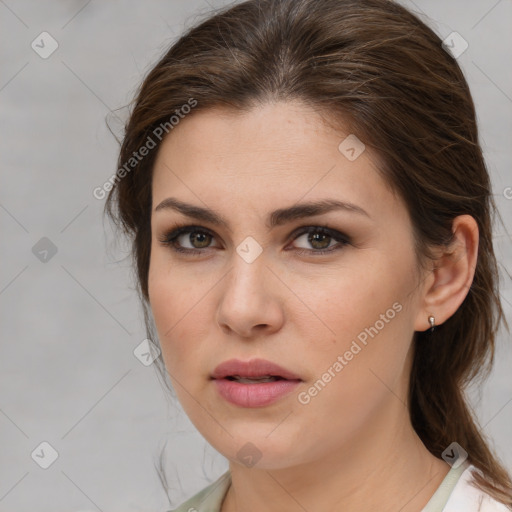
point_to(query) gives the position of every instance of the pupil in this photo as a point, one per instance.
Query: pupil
(314, 238)
(202, 236)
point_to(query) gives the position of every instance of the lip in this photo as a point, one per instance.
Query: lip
(251, 369)
(258, 394)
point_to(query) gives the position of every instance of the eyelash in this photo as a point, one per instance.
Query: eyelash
(170, 237)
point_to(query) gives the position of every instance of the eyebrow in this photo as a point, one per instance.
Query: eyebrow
(276, 218)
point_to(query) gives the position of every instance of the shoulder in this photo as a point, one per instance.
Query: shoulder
(208, 499)
(466, 497)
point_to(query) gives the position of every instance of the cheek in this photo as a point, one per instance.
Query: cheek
(177, 303)
(167, 299)
(339, 306)
(365, 319)
(362, 368)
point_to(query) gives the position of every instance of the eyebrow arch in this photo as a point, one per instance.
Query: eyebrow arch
(276, 218)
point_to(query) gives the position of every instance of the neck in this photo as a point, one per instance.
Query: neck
(384, 467)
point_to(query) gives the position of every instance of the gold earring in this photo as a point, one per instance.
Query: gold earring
(432, 322)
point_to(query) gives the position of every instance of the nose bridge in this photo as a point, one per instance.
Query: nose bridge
(248, 299)
(248, 272)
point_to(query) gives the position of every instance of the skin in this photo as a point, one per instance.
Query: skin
(352, 443)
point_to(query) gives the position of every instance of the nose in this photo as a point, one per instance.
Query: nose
(250, 304)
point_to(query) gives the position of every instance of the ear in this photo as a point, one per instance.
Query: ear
(450, 279)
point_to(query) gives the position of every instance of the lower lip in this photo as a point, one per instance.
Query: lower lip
(254, 395)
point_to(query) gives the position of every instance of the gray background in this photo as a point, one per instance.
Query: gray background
(68, 375)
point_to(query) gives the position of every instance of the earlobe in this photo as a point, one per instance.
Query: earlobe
(452, 275)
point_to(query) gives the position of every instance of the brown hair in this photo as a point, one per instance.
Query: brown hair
(373, 66)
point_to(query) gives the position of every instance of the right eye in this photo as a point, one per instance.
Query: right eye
(198, 238)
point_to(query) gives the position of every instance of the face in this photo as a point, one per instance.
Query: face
(329, 294)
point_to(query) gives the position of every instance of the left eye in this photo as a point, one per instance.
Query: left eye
(320, 238)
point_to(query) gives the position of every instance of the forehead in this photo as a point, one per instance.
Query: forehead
(272, 154)
(274, 128)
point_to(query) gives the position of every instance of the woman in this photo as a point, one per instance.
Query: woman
(311, 224)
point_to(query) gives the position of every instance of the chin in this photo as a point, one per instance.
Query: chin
(257, 449)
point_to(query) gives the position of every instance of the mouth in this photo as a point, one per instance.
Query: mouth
(258, 380)
(255, 383)
(253, 371)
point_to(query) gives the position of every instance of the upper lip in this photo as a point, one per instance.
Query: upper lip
(251, 369)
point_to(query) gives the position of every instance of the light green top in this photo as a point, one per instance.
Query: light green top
(440, 497)
(210, 498)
